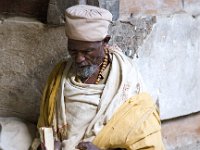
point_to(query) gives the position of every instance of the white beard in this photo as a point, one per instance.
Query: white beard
(87, 71)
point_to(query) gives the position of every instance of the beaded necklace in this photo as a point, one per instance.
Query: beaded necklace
(103, 67)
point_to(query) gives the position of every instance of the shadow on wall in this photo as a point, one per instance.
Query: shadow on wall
(29, 51)
(28, 8)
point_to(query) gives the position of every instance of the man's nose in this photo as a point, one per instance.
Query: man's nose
(79, 57)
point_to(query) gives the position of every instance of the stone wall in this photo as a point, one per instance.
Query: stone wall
(169, 56)
(162, 36)
(28, 51)
(169, 62)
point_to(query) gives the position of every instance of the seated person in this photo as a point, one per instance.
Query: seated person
(95, 99)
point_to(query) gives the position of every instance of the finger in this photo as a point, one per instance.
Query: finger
(83, 145)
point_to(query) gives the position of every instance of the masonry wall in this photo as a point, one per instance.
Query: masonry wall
(162, 36)
(28, 51)
(169, 54)
(169, 58)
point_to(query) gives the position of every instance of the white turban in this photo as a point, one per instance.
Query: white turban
(87, 23)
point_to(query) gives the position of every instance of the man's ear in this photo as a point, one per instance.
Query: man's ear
(106, 39)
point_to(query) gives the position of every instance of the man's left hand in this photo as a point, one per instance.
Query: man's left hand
(86, 146)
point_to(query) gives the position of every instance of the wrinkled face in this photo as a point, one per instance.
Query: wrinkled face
(87, 56)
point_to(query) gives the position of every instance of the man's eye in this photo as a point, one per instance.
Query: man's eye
(89, 50)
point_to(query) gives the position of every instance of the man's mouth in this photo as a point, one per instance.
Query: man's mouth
(82, 66)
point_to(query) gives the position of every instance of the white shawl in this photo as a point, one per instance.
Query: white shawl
(86, 108)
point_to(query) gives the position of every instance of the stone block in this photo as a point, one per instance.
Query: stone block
(149, 7)
(56, 11)
(192, 7)
(28, 52)
(28, 8)
(93, 2)
(182, 133)
(129, 34)
(112, 6)
(169, 62)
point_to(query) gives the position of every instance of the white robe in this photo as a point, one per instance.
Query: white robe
(86, 108)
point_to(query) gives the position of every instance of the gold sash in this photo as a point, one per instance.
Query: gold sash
(135, 125)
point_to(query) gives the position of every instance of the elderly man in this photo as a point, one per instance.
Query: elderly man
(95, 100)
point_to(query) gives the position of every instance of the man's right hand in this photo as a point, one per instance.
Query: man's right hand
(86, 146)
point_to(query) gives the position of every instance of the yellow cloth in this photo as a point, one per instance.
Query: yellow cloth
(135, 126)
(47, 106)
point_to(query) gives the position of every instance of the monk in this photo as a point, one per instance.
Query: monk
(96, 100)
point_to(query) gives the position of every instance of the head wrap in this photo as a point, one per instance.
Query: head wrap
(87, 23)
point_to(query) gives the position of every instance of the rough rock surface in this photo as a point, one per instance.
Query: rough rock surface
(129, 34)
(28, 51)
(169, 61)
(182, 133)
